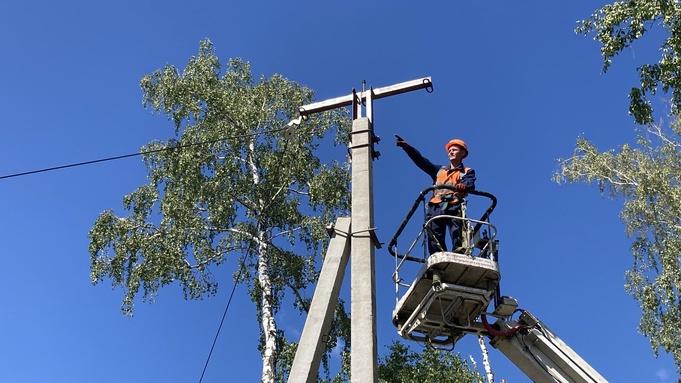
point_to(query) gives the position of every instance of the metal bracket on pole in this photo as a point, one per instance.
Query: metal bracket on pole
(356, 100)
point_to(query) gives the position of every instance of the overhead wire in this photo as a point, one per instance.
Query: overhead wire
(241, 270)
(236, 283)
(133, 154)
(224, 314)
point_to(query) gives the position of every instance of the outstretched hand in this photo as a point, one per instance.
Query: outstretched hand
(400, 142)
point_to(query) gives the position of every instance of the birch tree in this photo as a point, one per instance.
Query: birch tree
(227, 185)
(618, 25)
(647, 178)
(646, 174)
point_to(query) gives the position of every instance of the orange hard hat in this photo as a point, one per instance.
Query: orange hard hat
(457, 142)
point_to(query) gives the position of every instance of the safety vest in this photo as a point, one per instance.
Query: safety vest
(444, 177)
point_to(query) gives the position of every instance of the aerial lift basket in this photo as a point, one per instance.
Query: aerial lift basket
(451, 289)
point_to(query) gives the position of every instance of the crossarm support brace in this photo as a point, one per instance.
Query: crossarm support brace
(315, 333)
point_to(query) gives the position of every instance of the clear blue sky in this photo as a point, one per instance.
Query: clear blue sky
(511, 79)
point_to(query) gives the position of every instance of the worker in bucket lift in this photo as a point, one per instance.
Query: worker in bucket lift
(444, 201)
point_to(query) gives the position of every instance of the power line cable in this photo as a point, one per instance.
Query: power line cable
(73, 165)
(236, 282)
(224, 314)
(133, 155)
(155, 151)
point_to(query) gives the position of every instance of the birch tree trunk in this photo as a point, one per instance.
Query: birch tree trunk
(269, 326)
(485, 359)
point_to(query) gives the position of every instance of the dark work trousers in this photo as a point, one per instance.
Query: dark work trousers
(438, 228)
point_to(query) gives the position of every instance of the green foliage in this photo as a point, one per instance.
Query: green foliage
(648, 179)
(226, 185)
(645, 176)
(617, 25)
(403, 365)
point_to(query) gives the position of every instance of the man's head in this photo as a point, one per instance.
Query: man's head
(457, 146)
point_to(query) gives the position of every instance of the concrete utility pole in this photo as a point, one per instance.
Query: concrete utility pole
(363, 241)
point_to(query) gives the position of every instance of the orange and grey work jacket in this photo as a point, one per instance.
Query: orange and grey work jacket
(460, 174)
(450, 177)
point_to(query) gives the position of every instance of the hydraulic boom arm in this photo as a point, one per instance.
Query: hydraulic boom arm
(540, 354)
